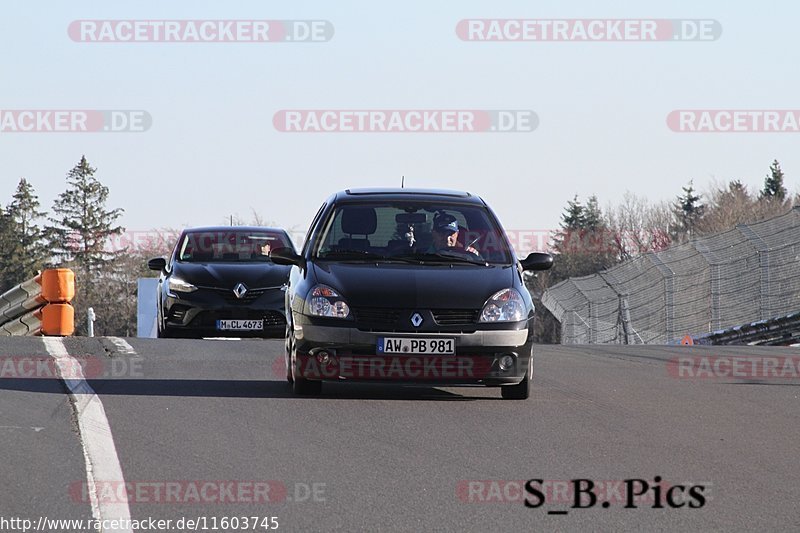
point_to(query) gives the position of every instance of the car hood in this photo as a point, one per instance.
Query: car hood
(226, 275)
(410, 286)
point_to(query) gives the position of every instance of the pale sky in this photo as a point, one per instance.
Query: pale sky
(212, 149)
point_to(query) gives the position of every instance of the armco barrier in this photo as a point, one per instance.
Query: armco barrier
(40, 306)
(737, 286)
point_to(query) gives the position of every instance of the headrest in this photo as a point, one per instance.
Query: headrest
(359, 220)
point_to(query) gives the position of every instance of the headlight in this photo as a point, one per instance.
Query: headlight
(504, 306)
(178, 285)
(324, 301)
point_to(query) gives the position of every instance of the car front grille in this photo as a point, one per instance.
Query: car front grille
(374, 316)
(274, 318)
(455, 317)
(249, 297)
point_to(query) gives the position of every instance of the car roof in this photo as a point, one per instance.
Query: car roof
(397, 193)
(234, 228)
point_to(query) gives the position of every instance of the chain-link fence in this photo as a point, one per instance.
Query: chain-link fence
(749, 273)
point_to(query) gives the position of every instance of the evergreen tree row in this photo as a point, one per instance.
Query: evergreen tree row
(74, 235)
(590, 240)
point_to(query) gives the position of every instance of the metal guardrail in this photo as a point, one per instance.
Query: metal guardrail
(40, 306)
(710, 284)
(778, 331)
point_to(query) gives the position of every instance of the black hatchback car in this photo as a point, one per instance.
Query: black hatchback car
(409, 286)
(220, 282)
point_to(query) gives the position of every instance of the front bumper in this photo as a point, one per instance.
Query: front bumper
(352, 356)
(196, 314)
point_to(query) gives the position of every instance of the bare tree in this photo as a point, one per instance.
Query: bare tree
(256, 219)
(637, 226)
(732, 204)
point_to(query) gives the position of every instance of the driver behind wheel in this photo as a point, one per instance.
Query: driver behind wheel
(445, 234)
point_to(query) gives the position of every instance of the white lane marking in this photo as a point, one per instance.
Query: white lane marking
(34, 428)
(99, 451)
(123, 346)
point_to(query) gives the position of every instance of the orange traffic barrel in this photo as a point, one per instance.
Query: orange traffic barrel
(58, 319)
(58, 285)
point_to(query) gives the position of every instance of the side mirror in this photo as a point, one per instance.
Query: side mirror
(285, 256)
(537, 261)
(157, 264)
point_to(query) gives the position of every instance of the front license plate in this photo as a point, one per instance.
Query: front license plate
(240, 325)
(404, 345)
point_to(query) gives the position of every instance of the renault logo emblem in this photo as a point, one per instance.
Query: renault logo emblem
(239, 290)
(416, 320)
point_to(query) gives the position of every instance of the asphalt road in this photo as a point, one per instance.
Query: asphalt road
(214, 420)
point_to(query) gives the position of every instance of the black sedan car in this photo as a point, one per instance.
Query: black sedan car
(221, 282)
(409, 286)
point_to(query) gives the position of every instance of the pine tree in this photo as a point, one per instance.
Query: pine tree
(688, 210)
(80, 228)
(773, 183)
(572, 221)
(81, 224)
(27, 253)
(592, 215)
(737, 189)
(7, 244)
(573, 216)
(582, 242)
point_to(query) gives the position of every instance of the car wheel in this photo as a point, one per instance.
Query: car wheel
(302, 386)
(168, 333)
(286, 357)
(521, 391)
(161, 331)
(306, 387)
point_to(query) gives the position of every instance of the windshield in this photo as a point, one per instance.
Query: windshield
(413, 231)
(229, 246)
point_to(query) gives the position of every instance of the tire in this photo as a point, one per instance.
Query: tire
(163, 333)
(287, 359)
(521, 391)
(301, 386)
(160, 333)
(305, 387)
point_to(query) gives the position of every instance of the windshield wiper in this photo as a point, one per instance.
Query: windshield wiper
(348, 255)
(440, 257)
